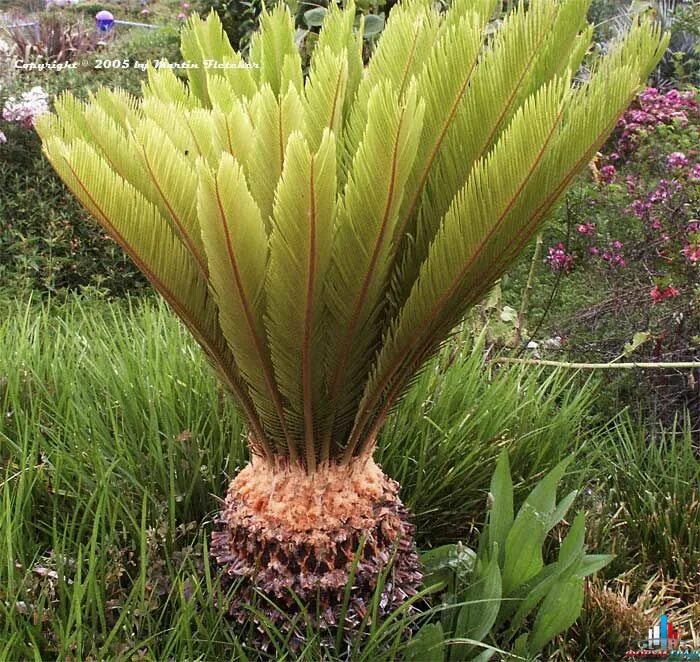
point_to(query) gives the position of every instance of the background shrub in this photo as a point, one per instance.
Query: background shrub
(47, 242)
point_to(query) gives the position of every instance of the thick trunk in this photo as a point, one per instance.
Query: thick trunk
(284, 531)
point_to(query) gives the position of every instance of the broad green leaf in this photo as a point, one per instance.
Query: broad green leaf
(426, 644)
(476, 620)
(523, 553)
(501, 515)
(571, 550)
(374, 24)
(558, 612)
(315, 17)
(592, 563)
(447, 564)
(559, 513)
(543, 496)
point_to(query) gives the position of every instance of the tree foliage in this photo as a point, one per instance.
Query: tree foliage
(321, 236)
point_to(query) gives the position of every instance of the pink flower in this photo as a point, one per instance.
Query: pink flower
(182, 16)
(607, 174)
(559, 260)
(639, 208)
(593, 250)
(3, 138)
(586, 228)
(145, 12)
(660, 294)
(185, 5)
(677, 160)
(694, 174)
(692, 253)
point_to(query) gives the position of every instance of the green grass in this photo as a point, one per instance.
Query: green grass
(646, 492)
(115, 439)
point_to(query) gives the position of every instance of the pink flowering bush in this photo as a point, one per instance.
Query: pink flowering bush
(625, 250)
(651, 110)
(623, 257)
(27, 108)
(644, 202)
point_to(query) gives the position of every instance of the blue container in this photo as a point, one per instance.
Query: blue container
(104, 20)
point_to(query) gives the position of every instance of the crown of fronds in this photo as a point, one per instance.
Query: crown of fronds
(321, 235)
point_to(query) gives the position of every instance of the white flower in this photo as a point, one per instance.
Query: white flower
(31, 104)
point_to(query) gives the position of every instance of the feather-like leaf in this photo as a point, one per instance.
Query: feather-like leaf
(273, 122)
(300, 246)
(272, 46)
(138, 227)
(366, 221)
(235, 241)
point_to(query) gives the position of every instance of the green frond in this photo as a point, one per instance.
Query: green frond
(170, 117)
(233, 132)
(321, 237)
(324, 94)
(407, 40)
(491, 220)
(443, 83)
(365, 227)
(204, 42)
(273, 48)
(164, 85)
(112, 140)
(300, 247)
(274, 119)
(122, 107)
(236, 244)
(137, 226)
(338, 35)
(199, 126)
(495, 85)
(172, 186)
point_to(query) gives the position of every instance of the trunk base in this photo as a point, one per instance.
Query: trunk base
(284, 532)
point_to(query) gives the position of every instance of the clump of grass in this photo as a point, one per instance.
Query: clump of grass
(114, 436)
(647, 496)
(443, 443)
(608, 627)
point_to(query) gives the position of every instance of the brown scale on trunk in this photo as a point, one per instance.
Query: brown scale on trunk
(283, 531)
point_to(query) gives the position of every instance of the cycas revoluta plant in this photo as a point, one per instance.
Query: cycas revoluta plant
(321, 236)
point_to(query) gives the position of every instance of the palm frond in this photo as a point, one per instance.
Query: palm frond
(274, 52)
(321, 238)
(236, 243)
(365, 226)
(138, 227)
(490, 220)
(338, 35)
(274, 119)
(300, 248)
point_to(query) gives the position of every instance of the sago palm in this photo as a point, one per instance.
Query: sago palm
(320, 235)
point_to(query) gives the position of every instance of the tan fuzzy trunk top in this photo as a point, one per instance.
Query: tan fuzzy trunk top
(329, 498)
